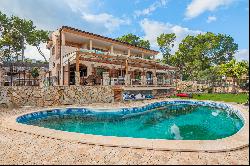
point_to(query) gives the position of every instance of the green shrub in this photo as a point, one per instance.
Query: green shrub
(35, 72)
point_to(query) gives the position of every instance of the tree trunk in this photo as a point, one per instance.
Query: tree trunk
(41, 53)
(23, 50)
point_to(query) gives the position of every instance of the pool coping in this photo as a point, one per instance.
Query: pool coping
(234, 142)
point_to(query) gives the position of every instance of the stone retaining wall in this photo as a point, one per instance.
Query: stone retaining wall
(54, 96)
(190, 86)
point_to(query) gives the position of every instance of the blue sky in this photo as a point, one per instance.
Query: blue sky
(146, 18)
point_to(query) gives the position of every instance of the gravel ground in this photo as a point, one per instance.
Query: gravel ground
(21, 148)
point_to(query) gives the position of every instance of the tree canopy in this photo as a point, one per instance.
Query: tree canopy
(198, 53)
(35, 72)
(134, 40)
(166, 43)
(234, 70)
(16, 33)
(9, 38)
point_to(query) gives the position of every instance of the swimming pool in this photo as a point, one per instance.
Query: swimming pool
(168, 120)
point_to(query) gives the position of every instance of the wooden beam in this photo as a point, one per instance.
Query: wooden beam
(109, 59)
(141, 61)
(118, 63)
(72, 44)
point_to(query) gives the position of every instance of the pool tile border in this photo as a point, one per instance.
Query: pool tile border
(120, 111)
(236, 141)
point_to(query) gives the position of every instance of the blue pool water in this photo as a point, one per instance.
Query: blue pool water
(181, 121)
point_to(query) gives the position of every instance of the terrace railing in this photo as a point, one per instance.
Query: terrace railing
(72, 55)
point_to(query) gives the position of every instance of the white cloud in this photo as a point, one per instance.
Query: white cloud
(197, 7)
(153, 29)
(107, 20)
(43, 13)
(211, 19)
(50, 15)
(82, 5)
(151, 8)
(242, 54)
(32, 53)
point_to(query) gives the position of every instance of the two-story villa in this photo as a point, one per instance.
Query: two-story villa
(87, 59)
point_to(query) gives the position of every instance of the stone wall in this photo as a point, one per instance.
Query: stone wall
(55, 96)
(193, 86)
(190, 86)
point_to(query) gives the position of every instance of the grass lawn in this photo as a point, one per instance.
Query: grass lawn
(237, 98)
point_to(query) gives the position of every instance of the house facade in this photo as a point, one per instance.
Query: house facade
(82, 58)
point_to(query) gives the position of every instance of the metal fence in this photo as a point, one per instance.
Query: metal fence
(20, 73)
